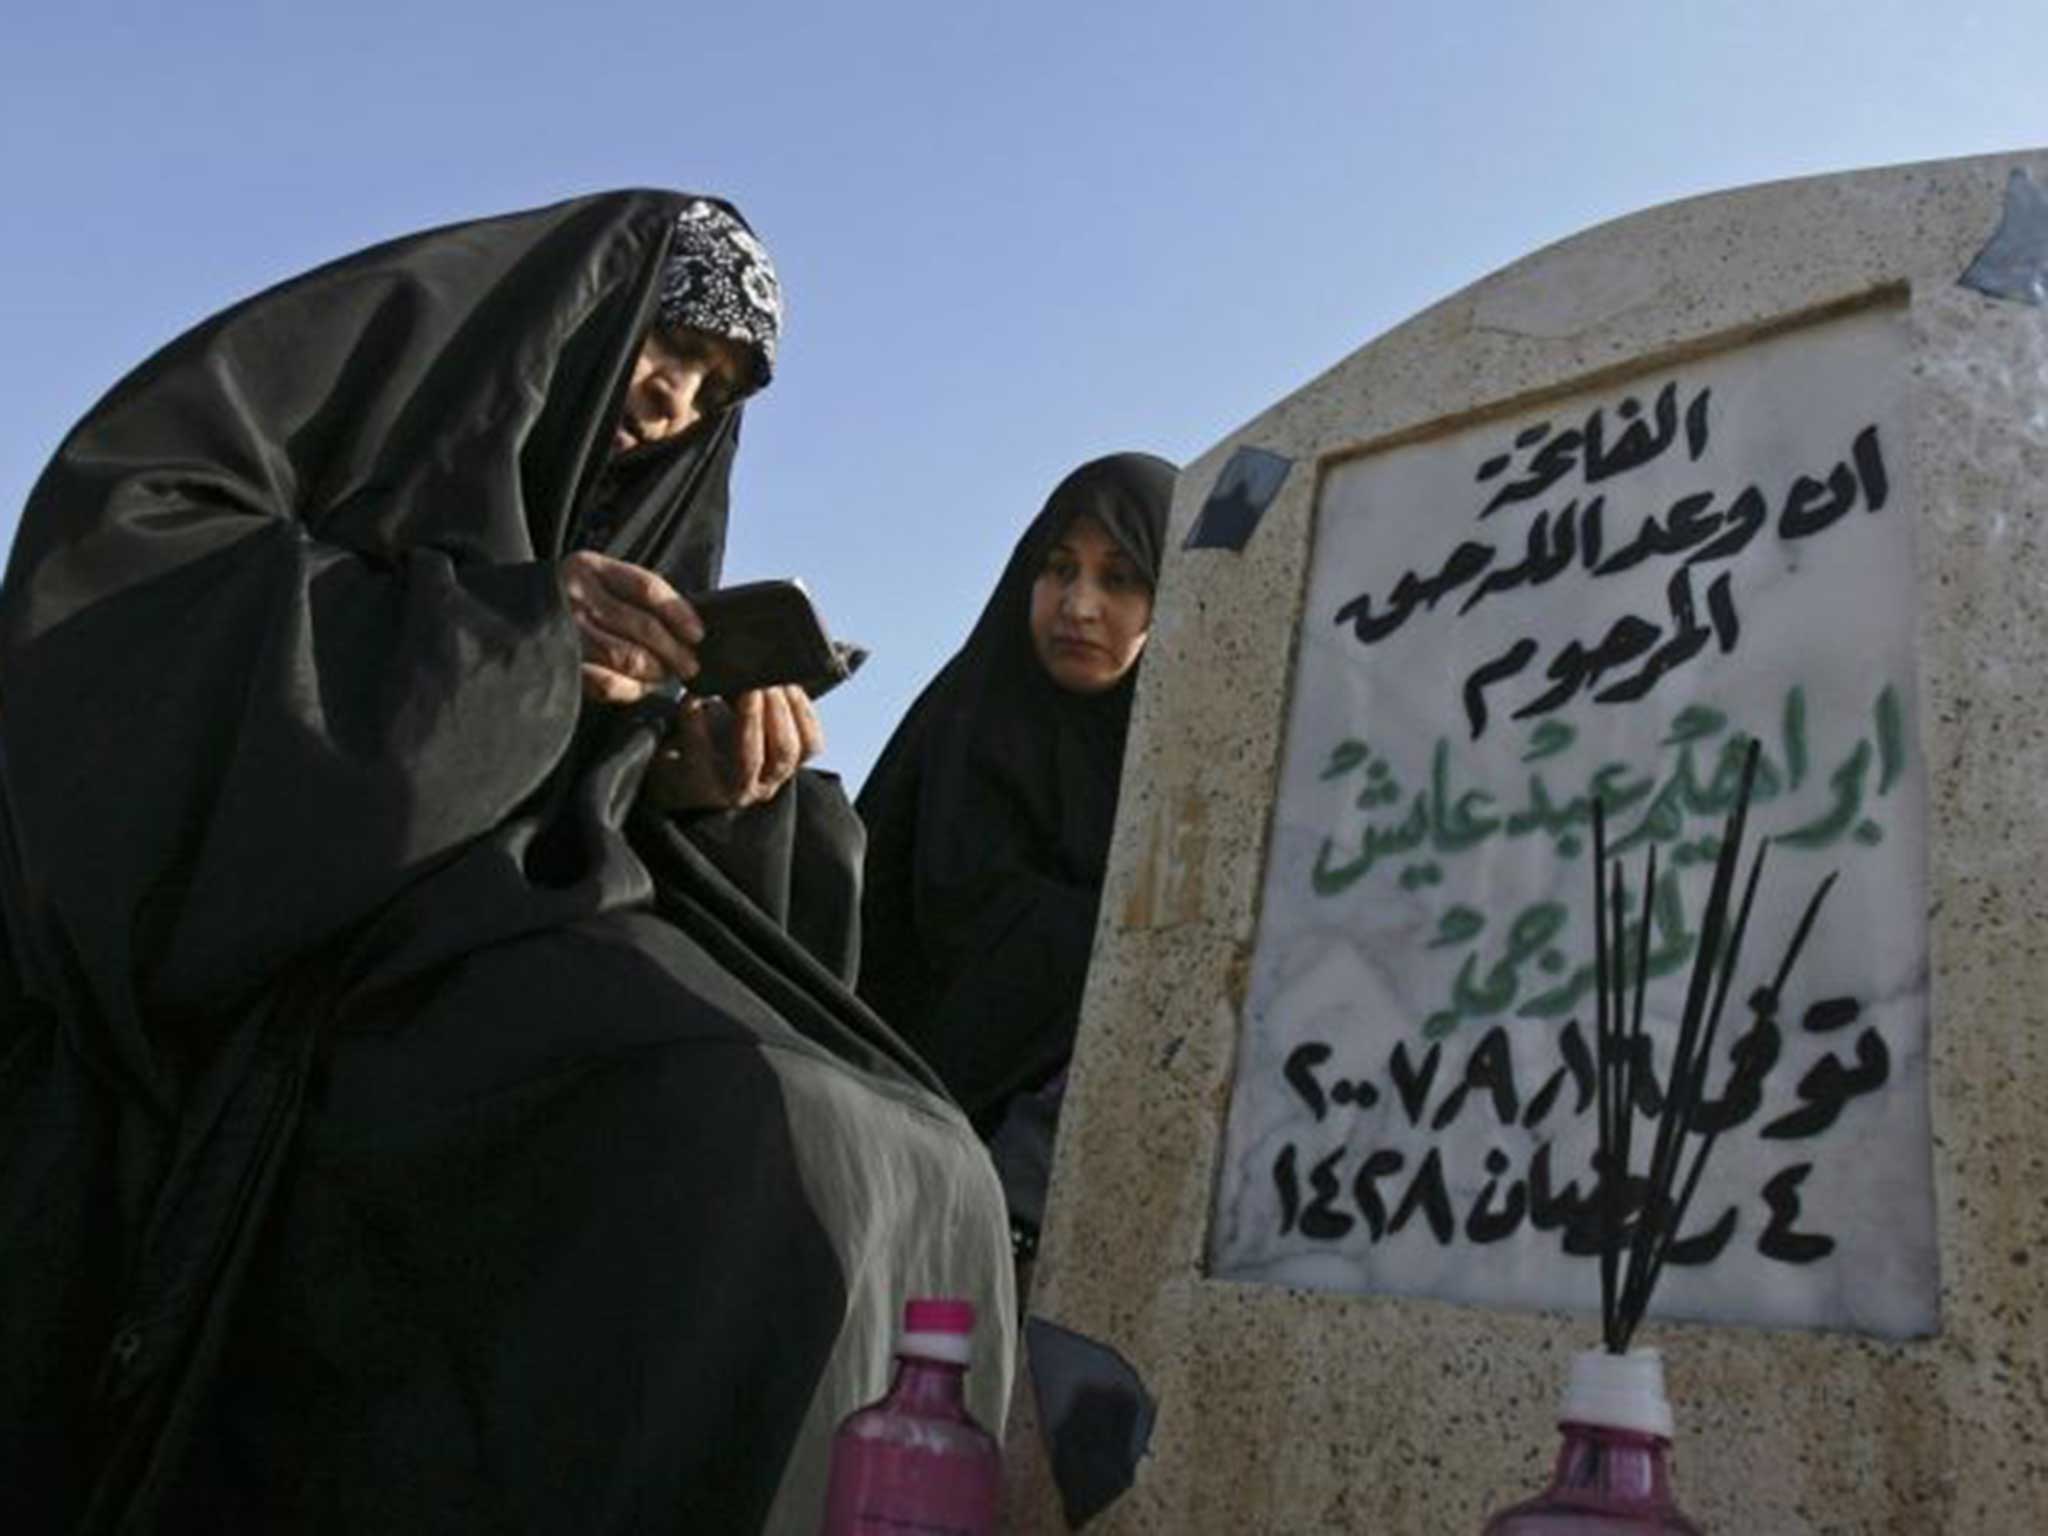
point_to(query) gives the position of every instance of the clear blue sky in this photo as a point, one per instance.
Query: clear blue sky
(1013, 236)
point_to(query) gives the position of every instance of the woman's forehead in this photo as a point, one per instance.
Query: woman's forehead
(1085, 533)
(686, 344)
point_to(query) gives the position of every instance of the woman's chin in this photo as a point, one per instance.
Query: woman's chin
(1081, 674)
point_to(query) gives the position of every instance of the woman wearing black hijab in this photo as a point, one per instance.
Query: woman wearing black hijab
(430, 1102)
(989, 815)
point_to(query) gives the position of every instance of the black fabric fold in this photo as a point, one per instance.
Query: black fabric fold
(390, 1130)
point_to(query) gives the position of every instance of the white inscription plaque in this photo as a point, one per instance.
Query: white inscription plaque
(1607, 595)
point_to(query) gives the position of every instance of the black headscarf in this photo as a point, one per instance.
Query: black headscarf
(328, 516)
(392, 1078)
(989, 816)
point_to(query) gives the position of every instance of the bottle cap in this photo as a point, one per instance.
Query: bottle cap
(1618, 1392)
(938, 1314)
(938, 1328)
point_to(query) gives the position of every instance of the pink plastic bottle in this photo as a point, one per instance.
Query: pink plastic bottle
(1611, 1477)
(915, 1460)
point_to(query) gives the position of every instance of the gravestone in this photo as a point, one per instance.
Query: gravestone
(1769, 466)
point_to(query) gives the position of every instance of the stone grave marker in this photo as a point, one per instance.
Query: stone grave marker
(1768, 465)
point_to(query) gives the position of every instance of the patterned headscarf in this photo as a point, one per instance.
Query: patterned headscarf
(718, 278)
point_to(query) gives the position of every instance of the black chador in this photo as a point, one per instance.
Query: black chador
(989, 816)
(402, 1127)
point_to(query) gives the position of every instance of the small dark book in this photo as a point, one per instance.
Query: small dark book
(761, 633)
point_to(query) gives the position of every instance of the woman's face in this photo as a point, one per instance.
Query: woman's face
(679, 378)
(1090, 609)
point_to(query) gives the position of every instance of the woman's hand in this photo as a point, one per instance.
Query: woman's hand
(637, 631)
(721, 756)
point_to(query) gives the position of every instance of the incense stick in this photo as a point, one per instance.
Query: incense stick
(1624, 1067)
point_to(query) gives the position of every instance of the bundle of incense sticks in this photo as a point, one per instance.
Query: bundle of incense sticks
(1646, 1216)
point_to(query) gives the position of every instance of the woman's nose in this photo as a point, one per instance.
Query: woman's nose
(675, 397)
(1082, 600)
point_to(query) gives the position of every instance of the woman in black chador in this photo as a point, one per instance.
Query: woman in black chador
(989, 815)
(429, 1095)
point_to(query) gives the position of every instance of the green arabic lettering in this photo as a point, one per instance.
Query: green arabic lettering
(1345, 756)
(1674, 947)
(1529, 938)
(1457, 925)
(1615, 798)
(1847, 783)
(1455, 826)
(1891, 739)
(1379, 842)
(1328, 881)
(1471, 1000)
(1675, 941)
(1692, 723)
(1534, 929)
(1720, 792)
(1541, 813)
(1548, 739)
(1558, 1000)
(1794, 731)
(1381, 787)
(1452, 821)
(1664, 821)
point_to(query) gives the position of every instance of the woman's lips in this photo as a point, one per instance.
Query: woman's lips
(1075, 643)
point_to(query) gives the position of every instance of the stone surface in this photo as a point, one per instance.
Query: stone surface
(1293, 1410)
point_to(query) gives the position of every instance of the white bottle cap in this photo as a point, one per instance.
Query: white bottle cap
(938, 1328)
(1618, 1392)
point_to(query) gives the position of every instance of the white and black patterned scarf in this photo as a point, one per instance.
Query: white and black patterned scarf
(718, 278)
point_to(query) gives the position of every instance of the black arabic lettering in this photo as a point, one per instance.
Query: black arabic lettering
(1578, 1069)
(1552, 544)
(1502, 667)
(1639, 441)
(1828, 1086)
(1696, 426)
(1812, 506)
(1411, 592)
(1287, 1185)
(1686, 524)
(1413, 1083)
(1300, 1073)
(1548, 1209)
(1688, 636)
(1428, 1194)
(1321, 1221)
(1703, 1247)
(1485, 1224)
(1576, 668)
(1382, 1163)
(1745, 516)
(1779, 1241)
(1557, 458)
(1490, 1069)
(1751, 1055)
